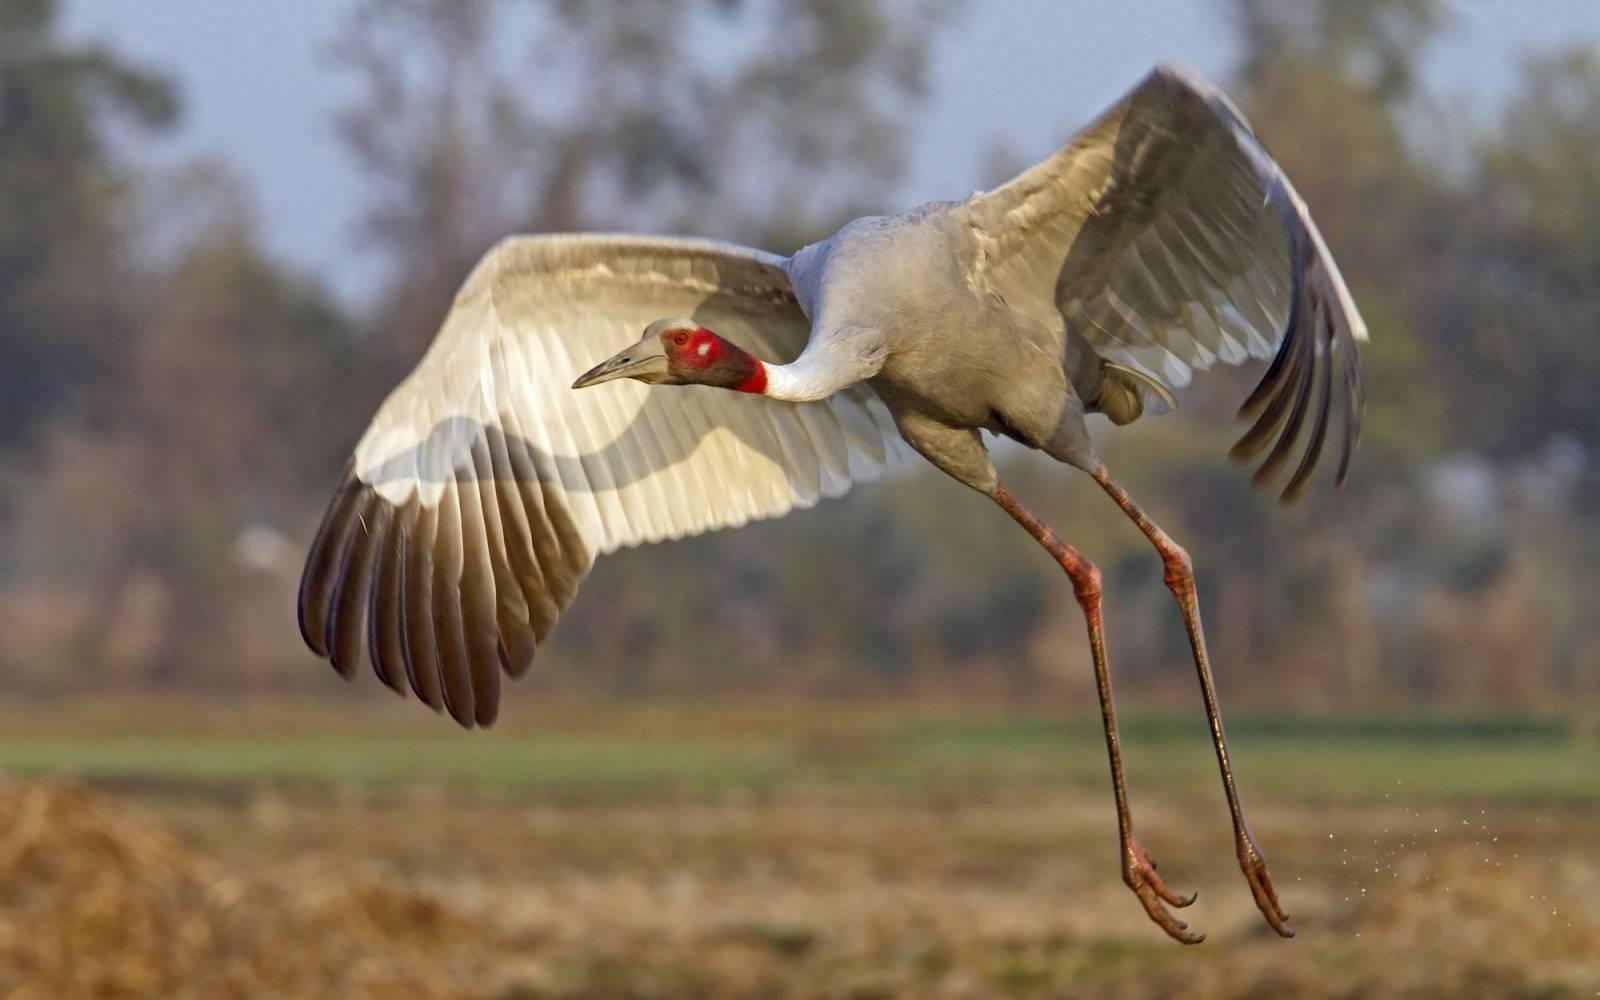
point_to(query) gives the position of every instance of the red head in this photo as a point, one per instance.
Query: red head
(697, 356)
(682, 352)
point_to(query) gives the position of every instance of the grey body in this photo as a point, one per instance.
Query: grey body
(950, 362)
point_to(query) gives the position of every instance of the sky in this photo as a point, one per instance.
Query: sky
(1017, 74)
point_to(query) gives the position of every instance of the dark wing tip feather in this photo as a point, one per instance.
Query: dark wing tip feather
(449, 624)
(386, 611)
(1306, 375)
(1306, 367)
(1280, 402)
(1284, 421)
(391, 580)
(345, 565)
(346, 628)
(444, 596)
(315, 603)
(1319, 435)
(1313, 343)
(416, 603)
(1353, 405)
(1272, 382)
(480, 608)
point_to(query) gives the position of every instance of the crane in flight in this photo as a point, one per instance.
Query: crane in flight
(1161, 239)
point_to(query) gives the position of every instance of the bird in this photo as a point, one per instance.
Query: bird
(737, 385)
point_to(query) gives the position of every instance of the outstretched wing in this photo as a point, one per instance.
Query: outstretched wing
(1167, 237)
(486, 486)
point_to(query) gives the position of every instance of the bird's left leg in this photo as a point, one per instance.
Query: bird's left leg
(1180, 580)
(959, 452)
(1138, 871)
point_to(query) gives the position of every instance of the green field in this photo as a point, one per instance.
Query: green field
(780, 850)
(606, 751)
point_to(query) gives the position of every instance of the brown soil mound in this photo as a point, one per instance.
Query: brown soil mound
(96, 901)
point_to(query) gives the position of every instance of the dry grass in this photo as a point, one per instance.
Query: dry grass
(97, 901)
(429, 894)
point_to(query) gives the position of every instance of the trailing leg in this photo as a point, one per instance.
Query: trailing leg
(1138, 871)
(1180, 580)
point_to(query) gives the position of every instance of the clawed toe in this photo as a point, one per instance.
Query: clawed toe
(1140, 874)
(1254, 865)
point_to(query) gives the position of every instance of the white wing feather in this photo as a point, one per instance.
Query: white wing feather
(501, 483)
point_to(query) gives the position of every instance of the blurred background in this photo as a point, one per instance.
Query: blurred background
(854, 752)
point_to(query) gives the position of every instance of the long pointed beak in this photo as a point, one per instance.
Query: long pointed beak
(646, 361)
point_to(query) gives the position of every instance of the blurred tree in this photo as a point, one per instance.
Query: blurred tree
(60, 199)
(154, 362)
(1526, 302)
(1374, 44)
(155, 534)
(761, 121)
(159, 469)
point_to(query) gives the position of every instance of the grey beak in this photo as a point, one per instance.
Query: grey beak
(646, 361)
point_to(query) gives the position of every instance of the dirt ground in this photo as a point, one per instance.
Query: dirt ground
(151, 892)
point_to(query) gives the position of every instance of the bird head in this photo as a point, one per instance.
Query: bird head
(681, 352)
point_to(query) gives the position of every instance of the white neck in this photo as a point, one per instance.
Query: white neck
(829, 364)
(798, 383)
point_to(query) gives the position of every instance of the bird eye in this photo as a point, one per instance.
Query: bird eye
(680, 338)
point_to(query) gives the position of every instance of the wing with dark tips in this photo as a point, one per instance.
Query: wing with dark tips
(1167, 237)
(486, 486)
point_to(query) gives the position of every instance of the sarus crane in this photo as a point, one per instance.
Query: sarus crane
(1162, 238)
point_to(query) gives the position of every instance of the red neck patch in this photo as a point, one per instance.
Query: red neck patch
(757, 380)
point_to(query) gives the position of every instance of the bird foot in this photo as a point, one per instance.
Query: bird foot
(1254, 865)
(1140, 874)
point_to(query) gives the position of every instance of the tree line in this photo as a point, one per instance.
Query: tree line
(176, 400)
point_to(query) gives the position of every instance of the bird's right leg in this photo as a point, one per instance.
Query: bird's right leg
(960, 454)
(1180, 580)
(1137, 868)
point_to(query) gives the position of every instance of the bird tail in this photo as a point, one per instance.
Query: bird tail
(1126, 394)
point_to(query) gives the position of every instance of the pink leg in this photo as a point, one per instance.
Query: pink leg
(1180, 580)
(1137, 868)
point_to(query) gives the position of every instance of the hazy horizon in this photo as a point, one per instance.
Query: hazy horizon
(259, 91)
